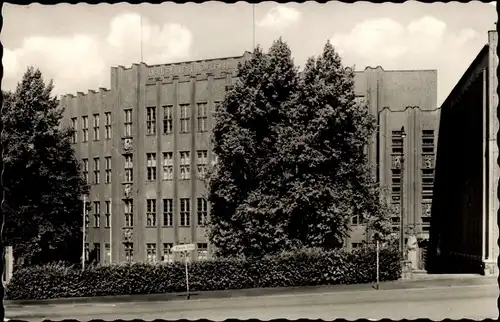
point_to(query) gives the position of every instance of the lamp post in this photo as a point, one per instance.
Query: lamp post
(401, 221)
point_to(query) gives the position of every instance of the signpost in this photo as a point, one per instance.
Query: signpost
(378, 264)
(185, 249)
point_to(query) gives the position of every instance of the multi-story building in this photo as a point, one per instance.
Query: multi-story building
(464, 234)
(144, 143)
(404, 162)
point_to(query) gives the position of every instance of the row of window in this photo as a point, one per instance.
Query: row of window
(168, 119)
(151, 213)
(427, 142)
(96, 127)
(151, 251)
(168, 123)
(151, 173)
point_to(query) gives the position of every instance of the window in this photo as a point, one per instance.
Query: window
(428, 141)
(74, 126)
(184, 166)
(96, 171)
(202, 211)
(202, 117)
(108, 214)
(355, 220)
(427, 180)
(151, 253)
(185, 214)
(168, 166)
(184, 118)
(97, 214)
(129, 165)
(202, 163)
(87, 212)
(128, 123)
(97, 252)
(151, 166)
(397, 142)
(107, 125)
(359, 100)
(129, 213)
(168, 120)
(151, 213)
(87, 252)
(129, 251)
(202, 250)
(96, 127)
(85, 170)
(168, 213)
(108, 169)
(428, 173)
(85, 128)
(150, 120)
(167, 253)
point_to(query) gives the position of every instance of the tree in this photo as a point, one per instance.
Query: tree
(323, 151)
(43, 184)
(292, 166)
(244, 139)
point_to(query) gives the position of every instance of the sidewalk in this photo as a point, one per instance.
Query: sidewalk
(419, 281)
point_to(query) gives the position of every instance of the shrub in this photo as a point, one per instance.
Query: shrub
(298, 268)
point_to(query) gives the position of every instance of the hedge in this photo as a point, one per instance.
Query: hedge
(302, 268)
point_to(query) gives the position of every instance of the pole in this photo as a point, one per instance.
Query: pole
(187, 275)
(84, 226)
(378, 264)
(110, 239)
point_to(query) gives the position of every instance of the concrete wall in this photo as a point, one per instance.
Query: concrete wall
(396, 99)
(464, 228)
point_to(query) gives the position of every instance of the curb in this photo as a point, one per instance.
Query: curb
(163, 297)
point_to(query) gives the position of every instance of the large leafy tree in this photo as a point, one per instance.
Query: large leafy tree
(245, 135)
(327, 175)
(43, 185)
(292, 166)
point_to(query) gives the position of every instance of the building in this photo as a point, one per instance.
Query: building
(144, 142)
(464, 231)
(402, 99)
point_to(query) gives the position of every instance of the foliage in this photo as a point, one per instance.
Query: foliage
(291, 268)
(292, 167)
(41, 177)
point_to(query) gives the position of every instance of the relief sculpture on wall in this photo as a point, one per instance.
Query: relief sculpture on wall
(428, 161)
(426, 209)
(127, 235)
(127, 190)
(127, 144)
(396, 161)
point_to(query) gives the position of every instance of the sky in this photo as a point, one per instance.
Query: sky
(75, 45)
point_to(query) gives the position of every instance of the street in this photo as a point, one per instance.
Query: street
(474, 302)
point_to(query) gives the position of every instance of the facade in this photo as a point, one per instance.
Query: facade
(144, 142)
(404, 166)
(464, 233)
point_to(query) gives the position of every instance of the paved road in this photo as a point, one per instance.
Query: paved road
(474, 302)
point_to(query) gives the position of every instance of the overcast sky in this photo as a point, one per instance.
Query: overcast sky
(75, 45)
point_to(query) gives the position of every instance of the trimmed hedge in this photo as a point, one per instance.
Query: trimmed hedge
(302, 268)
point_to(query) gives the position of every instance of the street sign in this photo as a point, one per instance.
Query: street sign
(183, 248)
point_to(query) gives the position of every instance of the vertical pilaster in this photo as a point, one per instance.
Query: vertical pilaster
(159, 171)
(175, 131)
(194, 172)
